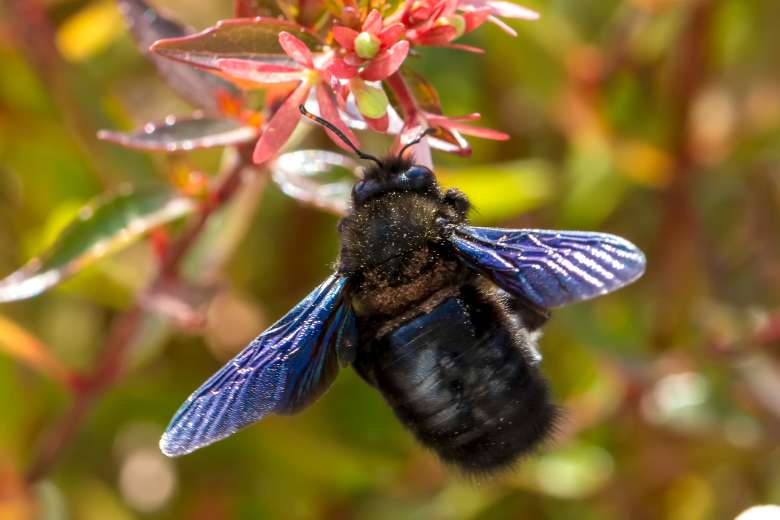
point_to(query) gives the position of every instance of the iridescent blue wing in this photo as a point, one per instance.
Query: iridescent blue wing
(550, 268)
(284, 369)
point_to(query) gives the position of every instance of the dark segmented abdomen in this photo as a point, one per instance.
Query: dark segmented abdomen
(460, 380)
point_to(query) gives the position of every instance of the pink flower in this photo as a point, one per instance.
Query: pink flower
(457, 124)
(374, 53)
(352, 69)
(439, 22)
(310, 72)
(499, 9)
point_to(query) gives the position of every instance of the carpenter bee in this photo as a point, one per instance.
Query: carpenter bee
(441, 317)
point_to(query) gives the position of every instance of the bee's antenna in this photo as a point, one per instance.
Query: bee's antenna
(427, 131)
(330, 126)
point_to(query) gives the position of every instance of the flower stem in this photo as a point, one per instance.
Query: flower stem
(405, 99)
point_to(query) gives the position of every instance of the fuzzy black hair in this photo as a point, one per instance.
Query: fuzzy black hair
(390, 166)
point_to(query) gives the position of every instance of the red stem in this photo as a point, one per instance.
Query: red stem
(223, 193)
(401, 90)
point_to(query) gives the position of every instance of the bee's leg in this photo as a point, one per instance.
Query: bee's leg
(458, 201)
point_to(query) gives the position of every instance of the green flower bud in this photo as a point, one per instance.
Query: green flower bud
(367, 45)
(371, 101)
(455, 20)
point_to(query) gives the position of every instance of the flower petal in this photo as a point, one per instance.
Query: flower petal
(379, 125)
(341, 69)
(510, 10)
(437, 35)
(373, 22)
(391, 34)
(345, 36)
(502, 25)
(476, 131)
(420, 152)
(475, 18)
(418, 13)
(463, 47)
(447, 7)
(353, 60)
(386, 63)
(350, 14)
(456, 123)
(330, 113)
(281, 125)
(466, 117)
(442, 10)
(296, 49)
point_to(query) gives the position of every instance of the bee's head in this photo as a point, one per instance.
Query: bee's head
(392, 174)
(396, 174)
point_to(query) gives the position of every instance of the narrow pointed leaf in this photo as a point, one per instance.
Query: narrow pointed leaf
(424, 93)
(502, 25)
(102, 227)
(464, 48)
(512, 10)
(256, 74)
(316, 177)
(177, 134)
(147, 26)
(254, 39)
(26, 348)
(450, 141)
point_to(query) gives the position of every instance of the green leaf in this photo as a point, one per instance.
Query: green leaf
(501, 191)
(106, 225)
(189, 133)
(243, 38)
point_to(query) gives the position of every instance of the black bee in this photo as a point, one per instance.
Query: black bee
(439, 316)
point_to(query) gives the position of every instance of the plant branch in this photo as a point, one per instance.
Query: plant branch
(680, 230)
(111, 362)
(223, 193)
(89, 389)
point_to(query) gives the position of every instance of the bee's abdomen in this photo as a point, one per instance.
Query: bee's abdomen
(463, 382)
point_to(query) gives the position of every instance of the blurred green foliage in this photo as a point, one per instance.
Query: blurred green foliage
(658, 120)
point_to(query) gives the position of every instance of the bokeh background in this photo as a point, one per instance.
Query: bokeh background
(658, 120)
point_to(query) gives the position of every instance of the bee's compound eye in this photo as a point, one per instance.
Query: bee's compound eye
(359, 188)
(419, 176)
